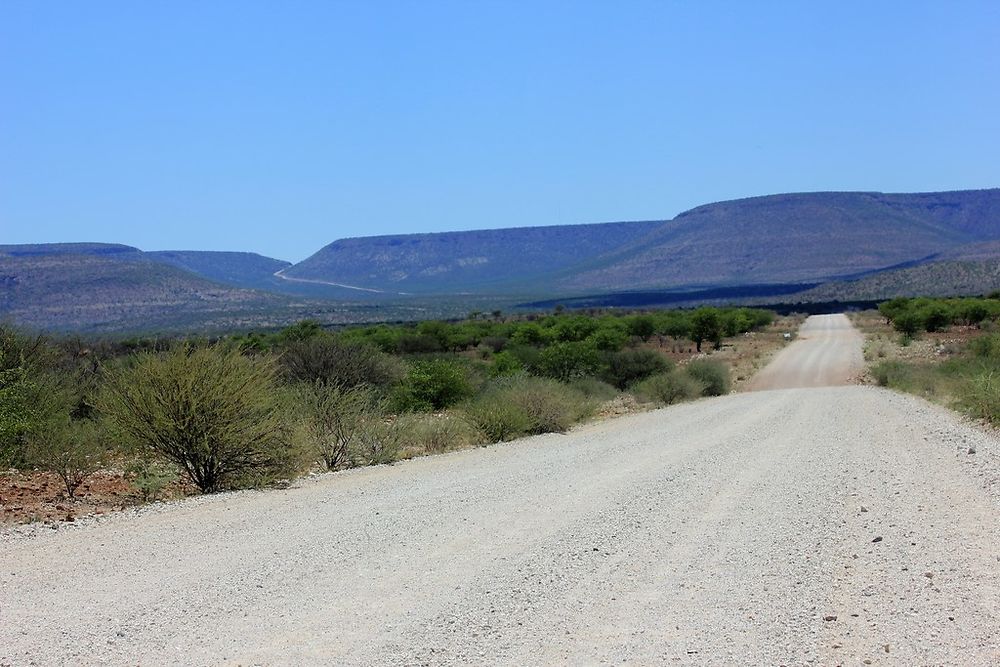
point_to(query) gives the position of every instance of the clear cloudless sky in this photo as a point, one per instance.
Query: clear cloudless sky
(278, 127)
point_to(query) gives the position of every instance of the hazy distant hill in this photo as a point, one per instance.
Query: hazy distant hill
(794, 238)
(108, 250)
(862, 245)
(459, 262)
(811, 237)
(63, 291)
(243, 269)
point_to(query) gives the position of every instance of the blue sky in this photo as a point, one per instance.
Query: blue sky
(278, 127)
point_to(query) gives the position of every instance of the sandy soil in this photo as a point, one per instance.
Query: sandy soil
(838, 525)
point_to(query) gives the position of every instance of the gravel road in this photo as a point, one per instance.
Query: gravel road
(826, 353)
(824, 526)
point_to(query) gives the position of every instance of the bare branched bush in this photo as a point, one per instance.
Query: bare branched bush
(345, 364)
(377, 441)
(335, 416)
(72, 449)
(212, 413)
(435, 433)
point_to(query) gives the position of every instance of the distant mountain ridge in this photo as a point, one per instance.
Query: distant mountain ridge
(243, 269)
(854, 244)
(460, 262)
(806, 237)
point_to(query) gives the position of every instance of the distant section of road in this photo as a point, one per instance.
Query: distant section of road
(827, 353)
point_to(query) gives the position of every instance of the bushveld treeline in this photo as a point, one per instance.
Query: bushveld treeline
(965, 378)
(910, 316)
(247, 410)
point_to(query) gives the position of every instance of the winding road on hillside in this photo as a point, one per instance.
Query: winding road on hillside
(823, 525)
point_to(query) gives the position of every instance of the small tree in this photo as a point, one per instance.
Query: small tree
(334, 419)
(907, 323)
(432, 385)
(566, 361)
(706, 325)
(212, 413)
(629, 366)
(72, 449)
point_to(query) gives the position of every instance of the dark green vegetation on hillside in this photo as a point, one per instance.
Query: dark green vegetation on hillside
(251, 409)
(936, 279)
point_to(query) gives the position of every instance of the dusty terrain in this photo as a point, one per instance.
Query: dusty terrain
(826, 353)
(832, 525)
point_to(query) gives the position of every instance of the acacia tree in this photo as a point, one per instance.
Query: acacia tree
(706, 325)
(212, 413)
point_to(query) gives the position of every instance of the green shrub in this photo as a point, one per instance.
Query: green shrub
(432, 385)
(986, 347)
(498, 421)
(333, 419)
(338, 362)
(26, 391)
(885, 372)
(706, 324)
(150, 477)
(214, 414)
(713, 375)
(609, 338)
(566, 361)
(641, 326)
(72, 449)
(592, 388)
(303, 330)
(980, 397)
(908, 323)
(674, 386)
(935, 316)
(437, 433)
(377, 441)
(505, 364)
(551, 406)
(629, 366)
(526, 405)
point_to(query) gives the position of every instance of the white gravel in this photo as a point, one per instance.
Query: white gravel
(712, 533)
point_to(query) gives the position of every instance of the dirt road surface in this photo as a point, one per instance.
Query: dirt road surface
(826, 353)
(821, 526)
